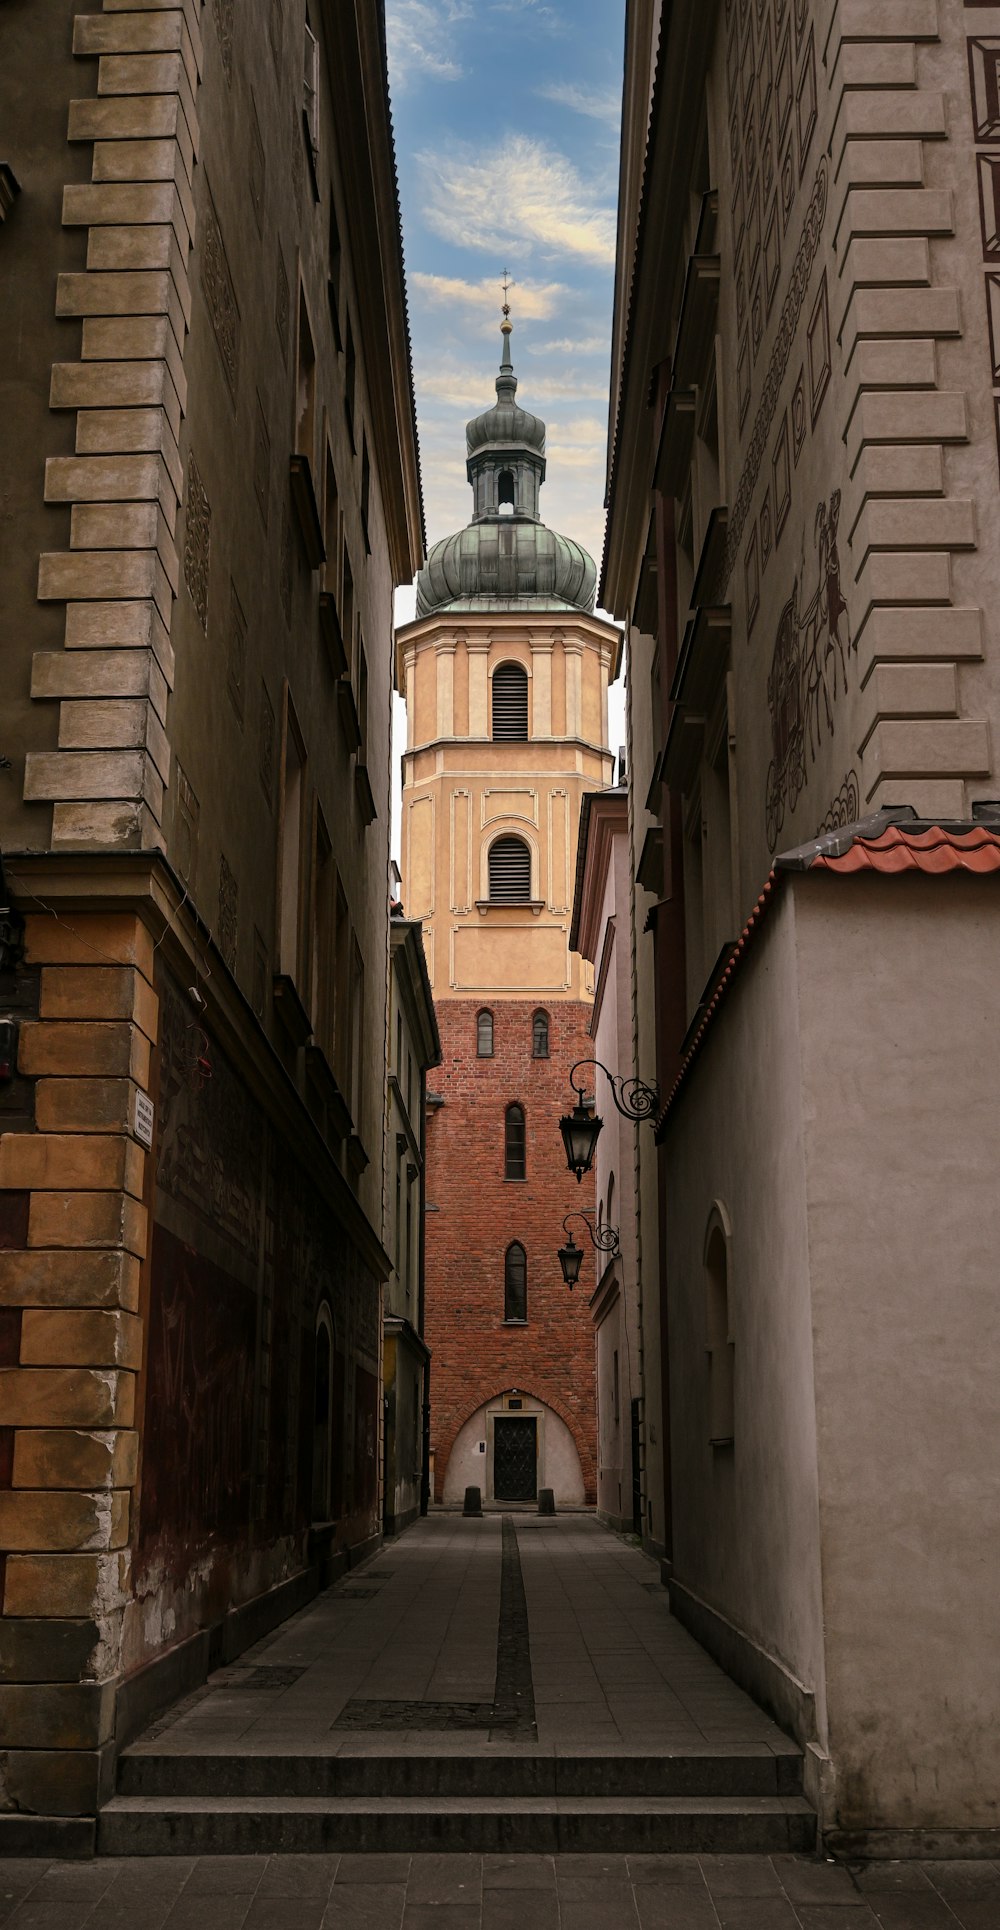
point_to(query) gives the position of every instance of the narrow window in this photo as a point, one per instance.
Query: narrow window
(611, 1201)
(510, 703)
(350, 379)
(357, 1085)
(334, 275)
(616, 1389)
(399, 1043)
(324, 912)
(515, 1162)
(409, 1240)
(515, 1283)
(399, 1215)
(341, 995)
(331, 528)
(366, 490)
(323, 1416)
(347, 609)
(305, 388)
(510, 872)
(484, 1035)
(293, 789)
(540, 1036)
(720, 1348)
(310, 92)
(361, 698)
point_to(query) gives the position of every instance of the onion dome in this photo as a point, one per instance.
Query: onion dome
(506, 558)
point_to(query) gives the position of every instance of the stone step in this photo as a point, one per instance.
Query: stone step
(142, 1772)
(235, 1826)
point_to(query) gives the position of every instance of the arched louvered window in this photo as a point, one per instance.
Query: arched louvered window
(510, 703)
(515, 1282)
(484, 1035)
(515, 1164)
(510, 872)
(540, 1036)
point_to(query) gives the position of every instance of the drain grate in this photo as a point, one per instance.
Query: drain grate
(356, 1594)
(267, 1675)
(438, 1717)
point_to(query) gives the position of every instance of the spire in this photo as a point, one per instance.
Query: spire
(506, 380)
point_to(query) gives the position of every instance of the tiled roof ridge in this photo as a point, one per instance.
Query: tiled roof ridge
(891, 841)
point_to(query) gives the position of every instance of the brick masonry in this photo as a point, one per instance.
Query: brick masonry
(474, 1213)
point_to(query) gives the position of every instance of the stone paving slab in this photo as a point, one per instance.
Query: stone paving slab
(581, 1892)
(612, 1671)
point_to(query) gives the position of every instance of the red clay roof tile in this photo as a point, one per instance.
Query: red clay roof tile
(933, 851)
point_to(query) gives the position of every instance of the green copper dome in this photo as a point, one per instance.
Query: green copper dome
(506, 558)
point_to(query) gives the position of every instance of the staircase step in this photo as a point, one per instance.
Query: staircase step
(234, 1826)
(225, 1773)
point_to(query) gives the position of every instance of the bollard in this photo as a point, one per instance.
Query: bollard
(546, 1501)
(473, 1502)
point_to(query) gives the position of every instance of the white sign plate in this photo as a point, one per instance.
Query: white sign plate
(142, 1119)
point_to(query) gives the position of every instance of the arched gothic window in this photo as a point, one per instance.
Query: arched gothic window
(510, 703)
(515, 1161)
(515, 1282)
(611, 1201)
(484, 1035)
(540, 1036)
(509, 872)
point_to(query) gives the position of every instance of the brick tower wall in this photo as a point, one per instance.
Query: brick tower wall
(474, 1213)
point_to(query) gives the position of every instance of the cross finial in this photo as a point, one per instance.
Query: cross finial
(506, 284)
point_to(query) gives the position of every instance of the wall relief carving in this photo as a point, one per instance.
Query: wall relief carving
(844, 809)
(197, 542)
(808, 672)
(220, 297)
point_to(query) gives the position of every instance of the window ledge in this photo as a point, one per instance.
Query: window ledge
(321, 1076)
(333, 636)
(357, 1158)
(515, 1323)
(365, 795)
(349, 719)
(534, 905)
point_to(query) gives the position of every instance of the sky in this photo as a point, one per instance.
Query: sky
(506, 116)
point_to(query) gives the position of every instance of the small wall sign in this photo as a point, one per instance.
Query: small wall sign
(142, 1119)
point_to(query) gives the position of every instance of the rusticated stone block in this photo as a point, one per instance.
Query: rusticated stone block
(64, 1162)
(109, 385)
(66, 1397)
(78, 575)
(87, 1219)
(59, 1782)
(48, 1651)
(153, 117)
(137, 33)
(57, 1586)
(110, 479)
(84, 1105)
(80, 1337)
(116, 204)
(57, 1279)
(83, 1049)
(116, 937)
(119, 827)
(62, 1457)
(114, 724)
(56, 1715)
(99, 992)
(121, 527)
(32, 1520)
(99, 673)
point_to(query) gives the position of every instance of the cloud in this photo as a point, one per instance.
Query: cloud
(518, 196)
(597, 103)
(570, 345)
(469, 387)
(420, 40)
(530, 301)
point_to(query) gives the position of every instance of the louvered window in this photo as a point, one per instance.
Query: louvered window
(510, 872)
(515, 1152)
(510, 701)
(515, 1282)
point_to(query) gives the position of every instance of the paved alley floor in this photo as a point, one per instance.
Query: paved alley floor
(402, 1656)
(496, 1893)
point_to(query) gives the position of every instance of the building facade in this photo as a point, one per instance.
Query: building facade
(601, 934)
(211, 464)
(505, 673)
(414, 1047)
(802, 478)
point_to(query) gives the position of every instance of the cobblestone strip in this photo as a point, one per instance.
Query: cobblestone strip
(514, 1695)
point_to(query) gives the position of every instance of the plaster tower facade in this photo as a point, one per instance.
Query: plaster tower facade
(505, 672)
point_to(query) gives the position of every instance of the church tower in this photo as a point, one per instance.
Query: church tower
(505, 672)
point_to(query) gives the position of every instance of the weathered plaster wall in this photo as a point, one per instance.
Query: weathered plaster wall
(897, 1014)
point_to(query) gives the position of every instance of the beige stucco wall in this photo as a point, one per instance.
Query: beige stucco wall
(470, 1463)
(461, 791)
(746, 1518)
(897, 1021)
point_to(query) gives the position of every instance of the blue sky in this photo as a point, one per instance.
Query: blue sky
(506, 115)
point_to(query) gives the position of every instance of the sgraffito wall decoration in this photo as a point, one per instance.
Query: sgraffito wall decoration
(984, 91)
(844, 809)
(809, 672)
